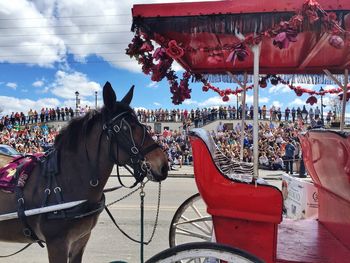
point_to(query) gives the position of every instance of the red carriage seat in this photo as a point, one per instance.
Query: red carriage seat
(327, 159)
(245, 213)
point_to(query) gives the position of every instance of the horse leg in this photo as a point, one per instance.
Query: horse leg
(77, 249)
(58, 250)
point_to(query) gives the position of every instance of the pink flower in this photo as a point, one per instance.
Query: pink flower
(174, 50)
(239, 52)
(283, 38)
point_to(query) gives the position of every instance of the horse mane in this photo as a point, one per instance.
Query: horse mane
(77, 129)
(80, 127)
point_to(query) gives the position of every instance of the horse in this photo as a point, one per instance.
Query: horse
(86, 151)
(5, 159)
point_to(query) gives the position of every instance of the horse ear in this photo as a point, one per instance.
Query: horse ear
(128, 97)
(109, 97)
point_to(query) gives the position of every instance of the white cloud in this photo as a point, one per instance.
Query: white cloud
(157, 104)
(250, 99)
(30, 38)
(190, 102)
(279, 88)
(153, 84)
(38, 83)
(328, 87)
(11, 85)
(215, 101)
(11, 104)
(66, 84)
(297, 102)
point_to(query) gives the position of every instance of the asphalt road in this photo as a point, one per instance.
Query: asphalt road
(107, 244)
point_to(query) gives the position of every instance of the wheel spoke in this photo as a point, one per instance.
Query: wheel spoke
(191, 222)
(200, 215)
(185, 232)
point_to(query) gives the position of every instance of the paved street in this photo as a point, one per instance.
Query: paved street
(107, 243)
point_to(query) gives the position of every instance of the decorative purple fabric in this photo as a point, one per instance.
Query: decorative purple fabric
(7, 173)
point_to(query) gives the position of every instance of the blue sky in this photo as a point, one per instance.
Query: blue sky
(50, 49)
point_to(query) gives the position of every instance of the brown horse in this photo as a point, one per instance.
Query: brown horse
(87, 150)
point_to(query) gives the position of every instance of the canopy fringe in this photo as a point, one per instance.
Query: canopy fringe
(292, 79)
(221, 24)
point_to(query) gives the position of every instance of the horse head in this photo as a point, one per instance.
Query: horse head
(129, 141)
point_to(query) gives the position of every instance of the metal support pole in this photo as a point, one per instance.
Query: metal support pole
(243, 116)
(96, 100)
(142, 201)
(345, 91)
(256, 52)
(322, 110)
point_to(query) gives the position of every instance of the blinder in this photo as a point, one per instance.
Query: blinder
(121, 132)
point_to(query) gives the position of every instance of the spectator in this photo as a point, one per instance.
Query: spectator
(289, 157)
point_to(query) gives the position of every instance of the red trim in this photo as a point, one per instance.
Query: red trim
(229, 7)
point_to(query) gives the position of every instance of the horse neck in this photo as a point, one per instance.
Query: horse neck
(89, 159)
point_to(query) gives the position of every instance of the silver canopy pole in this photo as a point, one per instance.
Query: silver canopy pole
(345, 91)
(243, 116)
(256, 52)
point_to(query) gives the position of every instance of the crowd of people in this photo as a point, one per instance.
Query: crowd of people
(42, 116)
(278, 142)
(28, 139)
(278, 145)
(198, 117)
(206, 115)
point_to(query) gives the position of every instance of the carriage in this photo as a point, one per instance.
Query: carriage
(217, 41)
(283, 42)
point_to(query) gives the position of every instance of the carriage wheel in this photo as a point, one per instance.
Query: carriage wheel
(191, 223)
(203, 252)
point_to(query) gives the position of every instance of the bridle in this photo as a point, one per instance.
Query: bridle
(120, 132)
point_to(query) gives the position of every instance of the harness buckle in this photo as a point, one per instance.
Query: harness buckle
(116, 128)
(94, 184)
(47, 191)
(27, 232)
(57, 189)
(145, 166)
(134, 150)
(21, 200)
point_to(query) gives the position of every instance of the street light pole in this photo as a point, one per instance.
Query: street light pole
(76, 103)
(321, 91)
(96, 100)
(238, 100)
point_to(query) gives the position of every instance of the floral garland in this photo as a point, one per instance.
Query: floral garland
(283, 34)
(141, 49)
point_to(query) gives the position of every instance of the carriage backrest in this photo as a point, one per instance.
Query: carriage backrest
(228, 167)
(327, 159)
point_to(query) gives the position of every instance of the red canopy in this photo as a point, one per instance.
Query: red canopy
(208, 33)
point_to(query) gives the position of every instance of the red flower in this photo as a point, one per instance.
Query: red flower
(159, 53)
(174, 50)
(298, 91)
(147, 47)
(228, 91)
(263, 83)
(225, 98)
(205, 88)
(311, 100)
